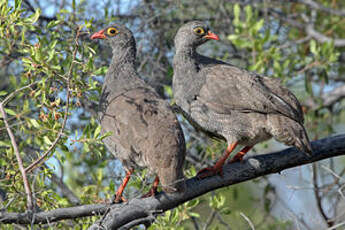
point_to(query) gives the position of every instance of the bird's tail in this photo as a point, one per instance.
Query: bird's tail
(172, 179)
(289, 132)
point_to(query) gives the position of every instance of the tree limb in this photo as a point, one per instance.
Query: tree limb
(320, 7)
(119, 215)
(234, 173)
(328, 99)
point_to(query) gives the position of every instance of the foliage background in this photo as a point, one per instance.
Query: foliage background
(51, 75)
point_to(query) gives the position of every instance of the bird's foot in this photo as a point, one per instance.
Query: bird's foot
(239, 156)
(211, 171)
(236, 158)
(118, 199)
(152, 192)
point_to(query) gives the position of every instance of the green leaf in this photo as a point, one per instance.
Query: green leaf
(4, 143)
(3, 93)
(47, 141)
(100, 71)
(237, 13)
(10, 112)
(97, 131)
(233, 37)
(258, 25)
(249, 13)
(313, 47)
(35, 123)
(53, 24)
(17, 4)
(33, 18)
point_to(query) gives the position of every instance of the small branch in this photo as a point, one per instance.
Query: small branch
(320, 7)
(41, 159)
(318, 197)
(28, 193)
(248, 220)
(328, 99)
(210, 219)
(309, 29)
(54, 215)
(11, 95)
(70, 196)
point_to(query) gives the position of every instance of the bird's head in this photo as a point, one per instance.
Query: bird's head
(193, 34)
(118, 36)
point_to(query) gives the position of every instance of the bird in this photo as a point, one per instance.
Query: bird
(229, 103)
(145, 132)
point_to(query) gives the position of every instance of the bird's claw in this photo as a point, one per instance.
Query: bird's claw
(152, 192)
(208, 172)
(118, 200)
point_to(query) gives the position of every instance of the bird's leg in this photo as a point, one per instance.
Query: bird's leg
(239, 156)
(218, 167)
(118, 196)
(153, 189)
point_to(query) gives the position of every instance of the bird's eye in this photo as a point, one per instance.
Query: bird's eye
(111, 31)
(199, 31)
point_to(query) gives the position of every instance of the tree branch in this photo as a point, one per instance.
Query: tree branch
(53, 215)
(120, 215)
(320, 7)
(328, 99)
(29, 199)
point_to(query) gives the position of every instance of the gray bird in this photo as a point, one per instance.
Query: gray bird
(224, 101)
(145, 130)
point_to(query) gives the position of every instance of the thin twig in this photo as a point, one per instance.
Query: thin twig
(40, 160)
(210, 219)
(318, 198)
(19, 159)
(11, 95)
(248, 220)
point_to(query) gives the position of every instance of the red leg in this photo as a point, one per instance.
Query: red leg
(218, 167)
(118, 196)
(239, 156)
(153, 189)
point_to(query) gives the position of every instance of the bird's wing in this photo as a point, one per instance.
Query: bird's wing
(230, 88)
(143, 124)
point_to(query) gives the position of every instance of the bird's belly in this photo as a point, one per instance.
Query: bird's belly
(244, 128)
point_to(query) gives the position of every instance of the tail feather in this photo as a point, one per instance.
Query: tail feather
(302, 142)
(290, 132)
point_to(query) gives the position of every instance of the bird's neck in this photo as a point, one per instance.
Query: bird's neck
(188, 52)
(122, 74)
(123, 57)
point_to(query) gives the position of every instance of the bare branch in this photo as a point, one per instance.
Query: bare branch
(11, 95)
(233, 173)
(248, 220)
(319, 199)
(328, 99)
(124, 214)
(317, 6)
(323, 38)
(28, 193)
(53, 215)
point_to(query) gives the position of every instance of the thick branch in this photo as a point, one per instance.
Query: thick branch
(124, 214)
(233, 173)
(53, 215)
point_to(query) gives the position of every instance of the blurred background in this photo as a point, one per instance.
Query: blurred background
(302, 42)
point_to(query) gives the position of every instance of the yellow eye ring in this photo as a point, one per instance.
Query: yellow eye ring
(112, 31)
(199, 31)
